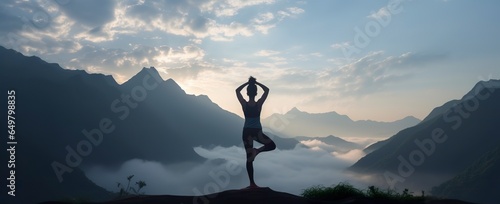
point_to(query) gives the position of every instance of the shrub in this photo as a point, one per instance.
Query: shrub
(340, 191)
(345, 190)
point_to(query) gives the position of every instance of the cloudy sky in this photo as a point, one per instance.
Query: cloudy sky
(380, 60)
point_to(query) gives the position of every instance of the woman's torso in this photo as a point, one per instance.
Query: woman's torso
(252, 115)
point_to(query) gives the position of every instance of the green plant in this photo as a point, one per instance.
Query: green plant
(129, 189)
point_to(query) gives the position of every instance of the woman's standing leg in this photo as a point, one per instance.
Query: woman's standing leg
(250, 152)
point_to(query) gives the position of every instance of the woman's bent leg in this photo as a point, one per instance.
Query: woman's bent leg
(266, 141)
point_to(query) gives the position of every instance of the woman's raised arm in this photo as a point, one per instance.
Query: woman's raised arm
(238, 93)
(266, 92)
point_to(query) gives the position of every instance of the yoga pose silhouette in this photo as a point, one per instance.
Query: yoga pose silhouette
(252, 129)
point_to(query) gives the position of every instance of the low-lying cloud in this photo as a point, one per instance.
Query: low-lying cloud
(353, 155)
(282, 170)
(337, 151)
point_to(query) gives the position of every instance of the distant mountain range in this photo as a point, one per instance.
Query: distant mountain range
(68, 119)
(296, 122)
(450, 141)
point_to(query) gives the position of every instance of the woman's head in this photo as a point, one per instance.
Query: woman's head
(251, 88)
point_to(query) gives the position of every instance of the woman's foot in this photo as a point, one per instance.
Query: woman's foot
(251, 186)
(253, 153)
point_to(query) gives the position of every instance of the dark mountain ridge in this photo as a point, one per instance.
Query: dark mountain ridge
(478, 183)
(441, 146)
(445, 107)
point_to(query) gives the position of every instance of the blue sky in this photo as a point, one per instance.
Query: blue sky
(379, 60)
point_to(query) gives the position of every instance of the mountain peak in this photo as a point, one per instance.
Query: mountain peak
(294, 110)
(150, 71)
(410, 118)
(138, 78)
(168, 84)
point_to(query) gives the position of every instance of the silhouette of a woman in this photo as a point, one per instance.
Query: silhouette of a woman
(252, 129)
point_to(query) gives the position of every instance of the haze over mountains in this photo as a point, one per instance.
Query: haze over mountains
(299, 123)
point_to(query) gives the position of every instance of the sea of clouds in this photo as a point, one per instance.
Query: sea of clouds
(224, 169)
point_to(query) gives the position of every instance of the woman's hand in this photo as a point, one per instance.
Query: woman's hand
(252, 80)
(264, 87)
